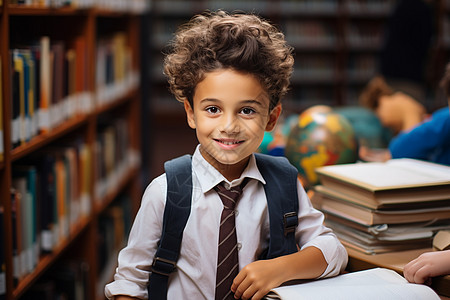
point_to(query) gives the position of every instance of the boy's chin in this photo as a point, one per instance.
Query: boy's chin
(224, 161)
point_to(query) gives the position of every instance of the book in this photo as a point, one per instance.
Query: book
(15, 103)
(17, 249)
(29, 196)
(2, 148)
(397, 181)
(62, 205)
(57, 114)
(45, 84)
(25, 109)
(18, 99)
(20, 184)
(361, 214)
(377, 283)
(2, 257)
(371, 244)
(47, 198)
(392, 232)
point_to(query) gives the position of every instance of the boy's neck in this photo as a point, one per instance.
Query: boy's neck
(229, 171)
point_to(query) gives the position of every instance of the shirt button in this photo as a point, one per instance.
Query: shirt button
(236, 212)
(239, 246)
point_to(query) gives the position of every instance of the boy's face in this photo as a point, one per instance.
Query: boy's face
(230, 115)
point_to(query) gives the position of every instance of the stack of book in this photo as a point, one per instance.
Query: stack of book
(381, 207)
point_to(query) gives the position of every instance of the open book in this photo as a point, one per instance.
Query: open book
(377, 283)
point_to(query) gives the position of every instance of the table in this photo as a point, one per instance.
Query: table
(395, 261)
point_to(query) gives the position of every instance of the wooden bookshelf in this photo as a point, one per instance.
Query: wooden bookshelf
(90, 132)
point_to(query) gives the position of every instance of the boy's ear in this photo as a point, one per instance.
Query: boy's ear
(189, 114)
(273, 117)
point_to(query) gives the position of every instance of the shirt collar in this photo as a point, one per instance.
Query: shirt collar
(209, 177)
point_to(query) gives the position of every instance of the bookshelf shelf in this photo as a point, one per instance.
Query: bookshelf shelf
(20, 10)
(48, 259)
(65, 117)
(117, 102)
(43, 139)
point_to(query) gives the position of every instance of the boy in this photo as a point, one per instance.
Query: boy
(230, 71)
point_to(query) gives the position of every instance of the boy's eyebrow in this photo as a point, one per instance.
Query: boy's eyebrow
(249, 101)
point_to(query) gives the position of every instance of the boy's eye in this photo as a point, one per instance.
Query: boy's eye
(247, 111)
(212, 109)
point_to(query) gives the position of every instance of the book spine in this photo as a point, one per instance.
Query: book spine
(45, 84)
(47, 194)
(2, 257)
(2, 148)
(16, 235)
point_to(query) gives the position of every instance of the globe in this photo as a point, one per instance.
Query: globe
(368, 129)
(320, 138)
(274, 141)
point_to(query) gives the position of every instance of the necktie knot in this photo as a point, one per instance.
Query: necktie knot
(230, 196)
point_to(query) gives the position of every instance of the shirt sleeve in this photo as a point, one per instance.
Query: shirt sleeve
(134, 261)
(421, 141)
(312, 232)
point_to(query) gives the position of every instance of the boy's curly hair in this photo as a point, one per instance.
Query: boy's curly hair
(219, 40)
(374, 90)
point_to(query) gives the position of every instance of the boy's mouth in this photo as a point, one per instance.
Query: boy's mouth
(228, 142)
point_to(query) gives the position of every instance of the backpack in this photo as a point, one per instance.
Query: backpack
(282, 201)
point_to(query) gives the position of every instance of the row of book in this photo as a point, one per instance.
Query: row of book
(115, 75)
(133, 6)
(68, 280)
(48, 85)
(286, 6)
(113, 229)
(323, 68)
(315, 67)
(50, 196)
(51, 191)
(364, 35)
(370, 6)
(49, 82)
(362, 67)
(310, 33)
(2, 256)
(114, 156)
(383, 207)
(2, 146)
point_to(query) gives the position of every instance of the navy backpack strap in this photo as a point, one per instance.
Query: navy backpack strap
(176, 213)
(282, 201)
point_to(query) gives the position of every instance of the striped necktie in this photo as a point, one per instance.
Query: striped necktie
(227, 260)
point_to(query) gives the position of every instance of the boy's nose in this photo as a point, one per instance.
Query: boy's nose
(230, 124)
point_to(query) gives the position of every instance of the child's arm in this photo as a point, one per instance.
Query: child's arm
(427, 265)
(256, 279)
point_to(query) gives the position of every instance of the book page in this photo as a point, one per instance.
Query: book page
(393, 173)
(377, 283)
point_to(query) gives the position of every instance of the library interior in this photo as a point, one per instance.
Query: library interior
(87, 122)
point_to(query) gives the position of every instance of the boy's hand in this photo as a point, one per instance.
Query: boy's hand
(256, 279)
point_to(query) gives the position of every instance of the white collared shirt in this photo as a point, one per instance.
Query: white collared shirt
(195, 275)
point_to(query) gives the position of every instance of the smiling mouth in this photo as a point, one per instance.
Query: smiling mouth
(229, 142)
